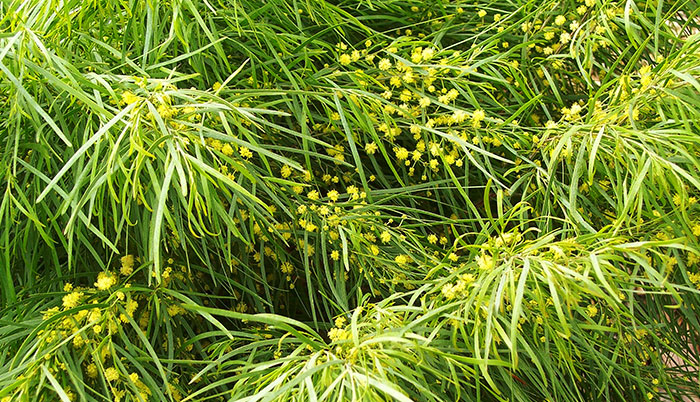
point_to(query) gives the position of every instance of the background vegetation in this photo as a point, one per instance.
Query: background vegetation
(364, 200)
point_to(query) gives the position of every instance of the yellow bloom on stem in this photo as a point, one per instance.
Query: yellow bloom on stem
(111, 374)
(333, 195)
(385, 237)
(127, 265)
(485, 262)
(105, 280)
(91, 370)
(402, 259)
(696, 229)
(401, 153)
(285, 171)
(128, 97)
(245, 152)
(313, 195)
(72, 299)
(371, 148)
(384, 64)
(227, 150)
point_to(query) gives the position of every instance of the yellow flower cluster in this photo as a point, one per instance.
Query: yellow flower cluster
(338, 334)
(458, 289)
(93, 329)
(127, 267)
(105, 280)
(72, 300)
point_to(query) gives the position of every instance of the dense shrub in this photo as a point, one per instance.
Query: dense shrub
(288, 200)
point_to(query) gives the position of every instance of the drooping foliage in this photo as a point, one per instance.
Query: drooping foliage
(289, 200)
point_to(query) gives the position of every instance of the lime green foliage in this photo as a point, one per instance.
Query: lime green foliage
(366, 200)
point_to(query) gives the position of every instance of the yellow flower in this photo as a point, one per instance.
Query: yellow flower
(560, 20)
(91, 370)
(227, 150)
(485, 262)
(417, 56)
(313, 195)
(345, 59)
(401, 153)
(50, 312)
(564, 38)
(695, 278)
(677, 199)
(371, 148)
(245, 152)
(174, 310)
(130, 307)
(333, 195)
(696, 229)
(338, 334)
(128, 97)
(402, 259)
(481, 13)
(127, 265)
(286, 171)
(335, 255)
(384, 64)
(458, 116)
(105, 280)
(72, 299)
(477, 117)
(111, 374)
(287, 267)
(592, 311)
(449, 291)
(385, 237)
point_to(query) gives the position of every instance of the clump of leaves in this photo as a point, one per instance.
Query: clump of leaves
(282, 200)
